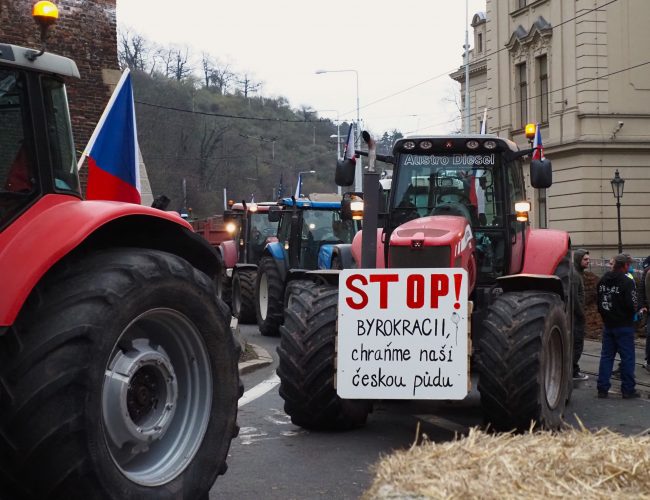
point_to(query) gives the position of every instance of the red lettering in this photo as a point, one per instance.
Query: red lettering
(383, 280)
(363, 297)
(415, 291)
(439, 288)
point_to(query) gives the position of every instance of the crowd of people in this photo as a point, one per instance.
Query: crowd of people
(620, 305)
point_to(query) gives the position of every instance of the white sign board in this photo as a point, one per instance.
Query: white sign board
(402, 334)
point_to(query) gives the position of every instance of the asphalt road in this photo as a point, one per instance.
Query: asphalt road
(274, 459)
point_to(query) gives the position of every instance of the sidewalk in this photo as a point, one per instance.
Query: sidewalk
(591, 358)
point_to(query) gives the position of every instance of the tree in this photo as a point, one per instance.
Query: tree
(132, 50)
(247, 86)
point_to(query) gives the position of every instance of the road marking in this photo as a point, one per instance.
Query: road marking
(259, 390)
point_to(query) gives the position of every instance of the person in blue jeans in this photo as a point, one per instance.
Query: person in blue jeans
(617, 305)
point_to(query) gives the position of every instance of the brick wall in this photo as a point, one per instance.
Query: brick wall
(86, 33)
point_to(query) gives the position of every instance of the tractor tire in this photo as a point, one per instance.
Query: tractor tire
(223, 284)
(307, 362)
(119, 381)
(269, 306)
(243, 295)
(525, 362)
(565, 271)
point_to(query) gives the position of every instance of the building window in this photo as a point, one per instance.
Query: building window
(479, 43)
(521, 4)
(522, 94)
(541, 208)
(542, 71)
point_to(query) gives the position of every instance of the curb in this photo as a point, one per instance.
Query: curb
(263, 359)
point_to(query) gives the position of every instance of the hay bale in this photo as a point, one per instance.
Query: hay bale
(573, 463)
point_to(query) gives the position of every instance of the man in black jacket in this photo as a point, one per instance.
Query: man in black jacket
(580, 263)
(617, 305)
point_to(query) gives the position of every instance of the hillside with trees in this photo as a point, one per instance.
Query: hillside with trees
(204, 128)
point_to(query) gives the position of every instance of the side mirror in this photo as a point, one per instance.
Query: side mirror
(352, 206)
(274, 214)
(541, 174)
(344, 175)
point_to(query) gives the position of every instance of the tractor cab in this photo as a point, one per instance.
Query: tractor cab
(251, 229)
(34, 111)
(309, 224)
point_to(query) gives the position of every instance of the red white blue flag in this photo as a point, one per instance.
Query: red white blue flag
(113, 167)
(538, 153)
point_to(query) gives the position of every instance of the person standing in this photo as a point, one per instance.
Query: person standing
(644, 302)
(617, 304)
(580, 263)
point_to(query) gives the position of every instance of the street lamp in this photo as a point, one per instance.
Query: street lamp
(617, 188)
(299, 182)
(359, 168)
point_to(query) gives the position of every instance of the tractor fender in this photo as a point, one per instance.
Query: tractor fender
(545, 248)
(277, 251)
(525, 282)
(229, 253)
(344, 253)
(57, 226)
(241, 266)
(320, 277)
(356, 249)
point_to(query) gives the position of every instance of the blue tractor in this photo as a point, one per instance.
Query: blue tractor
(310, 232)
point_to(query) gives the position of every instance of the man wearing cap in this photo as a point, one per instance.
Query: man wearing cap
(580, 263)
(644, 298)
(617, 305)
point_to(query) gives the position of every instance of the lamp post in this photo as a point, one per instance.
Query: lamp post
(359, 168)
(299, 182)
(618, 183)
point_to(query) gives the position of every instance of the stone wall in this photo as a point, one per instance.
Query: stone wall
(85, 32)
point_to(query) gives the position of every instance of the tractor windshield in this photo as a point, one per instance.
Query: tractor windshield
(459, 184)
(18, 180)
(260, 230)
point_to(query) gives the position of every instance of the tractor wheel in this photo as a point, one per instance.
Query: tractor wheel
(307, 362)
(223, 284)
(564, 271)
(243, 295)
(270, 297)
(118, 381)
(525, 361)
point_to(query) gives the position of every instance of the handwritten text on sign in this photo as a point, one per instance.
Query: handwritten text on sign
(402, 334)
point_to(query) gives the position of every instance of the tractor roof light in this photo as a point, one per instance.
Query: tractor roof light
(521, 210)
(426, 144)
(409, 145)
(231, 227)
(490, 144)
(531, 128)
(472, 144)
(252, 207)
(45, 13)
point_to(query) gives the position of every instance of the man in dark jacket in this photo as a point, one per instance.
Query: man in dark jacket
(580, 263)
(644, 302)
(617, 305)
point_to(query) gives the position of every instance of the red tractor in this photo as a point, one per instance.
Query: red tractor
(251, 230)
(455, 202)
(118, 369)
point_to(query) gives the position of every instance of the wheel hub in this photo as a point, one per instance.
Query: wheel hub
(140, 394)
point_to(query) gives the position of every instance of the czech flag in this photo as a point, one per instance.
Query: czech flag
(538, 153)
(113, 168)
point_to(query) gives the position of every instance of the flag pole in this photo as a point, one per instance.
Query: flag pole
(102, 119)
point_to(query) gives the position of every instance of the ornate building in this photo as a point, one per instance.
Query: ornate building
(580, 69)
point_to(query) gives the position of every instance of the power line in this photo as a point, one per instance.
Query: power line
(490, 54)
(589, 80)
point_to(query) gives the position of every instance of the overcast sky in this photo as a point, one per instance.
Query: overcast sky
(402, 51)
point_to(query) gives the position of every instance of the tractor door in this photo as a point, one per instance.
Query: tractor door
(516, 192)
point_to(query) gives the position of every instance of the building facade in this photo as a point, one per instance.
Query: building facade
(580, 69)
